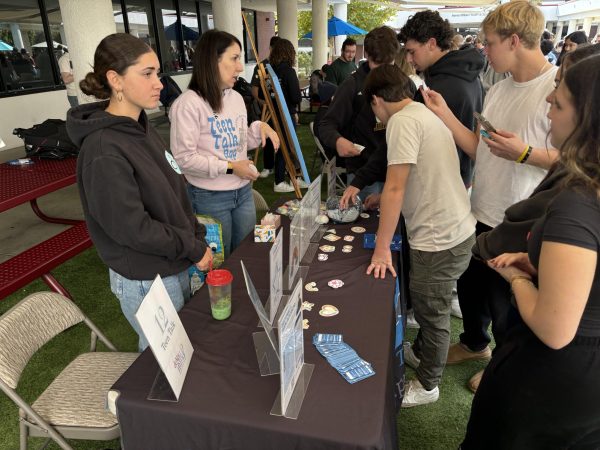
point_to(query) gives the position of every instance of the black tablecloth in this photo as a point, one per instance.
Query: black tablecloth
(225, 403)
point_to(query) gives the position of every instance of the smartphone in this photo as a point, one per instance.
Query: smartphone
(487, 126)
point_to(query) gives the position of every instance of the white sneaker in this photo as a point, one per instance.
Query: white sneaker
(415, 394)
(409, 356)
(411, 322)
(283, 187)
(301, 183)
(265, 173)
(455, 306)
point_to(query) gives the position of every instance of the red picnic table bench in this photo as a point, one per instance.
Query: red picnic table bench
(20, 184)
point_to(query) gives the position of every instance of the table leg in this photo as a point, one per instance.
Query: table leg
(38, 212)
(55, 285)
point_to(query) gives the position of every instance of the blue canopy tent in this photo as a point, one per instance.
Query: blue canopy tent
(337, 27)
(189, 34)
(4, 47)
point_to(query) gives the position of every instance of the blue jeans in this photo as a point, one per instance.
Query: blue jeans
(233, 209)
(131, 293)
(375, 188)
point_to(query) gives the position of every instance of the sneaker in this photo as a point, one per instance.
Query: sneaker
(459, 352)
(301, 183)
(410, 358)
(411, 322)
(265, 173)
(474, 381)
(455, 306)
(415, 394)
(283, 187)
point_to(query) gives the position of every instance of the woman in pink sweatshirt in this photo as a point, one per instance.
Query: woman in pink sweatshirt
(210, 138)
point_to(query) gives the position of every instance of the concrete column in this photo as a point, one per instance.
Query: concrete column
(15, 30)
(86, 23)
(319, 33)
(340, 10)
(558, 34)
(227, 16)
(287, 21)
(587, 26)
(572, 26)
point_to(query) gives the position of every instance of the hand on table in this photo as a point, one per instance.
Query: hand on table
(350, 195)
(380, 262)
(372, 202)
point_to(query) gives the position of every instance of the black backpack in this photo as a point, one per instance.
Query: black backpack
(48, 140)
(252, 107)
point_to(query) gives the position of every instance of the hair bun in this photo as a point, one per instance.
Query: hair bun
(93, 85)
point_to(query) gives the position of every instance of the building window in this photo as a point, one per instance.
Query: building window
(25, 62)
(251, 21)
(190, 29)
(119, 17)
(139, 17)
(169, 36)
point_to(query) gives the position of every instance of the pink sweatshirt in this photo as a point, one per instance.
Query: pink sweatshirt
(202, 141)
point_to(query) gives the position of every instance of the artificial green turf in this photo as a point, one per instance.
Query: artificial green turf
(437, 426)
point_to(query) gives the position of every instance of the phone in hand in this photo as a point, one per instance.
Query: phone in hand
(485, 124)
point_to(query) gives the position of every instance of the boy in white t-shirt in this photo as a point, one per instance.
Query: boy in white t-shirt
(423, 181)
(508, 164)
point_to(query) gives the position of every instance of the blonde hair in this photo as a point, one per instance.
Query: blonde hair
(401, 62)
(516, 17)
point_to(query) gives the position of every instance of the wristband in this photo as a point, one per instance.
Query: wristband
(525, 155)
(229, 168)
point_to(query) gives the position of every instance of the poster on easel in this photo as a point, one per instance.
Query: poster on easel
(166, 336)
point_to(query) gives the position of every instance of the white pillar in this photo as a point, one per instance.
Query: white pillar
(319, 33)
(558, 34)
(287, 21)
(15, 30)
(86, 23)
(572, 26)
(340, 10)
(227, 16)
(587, 26)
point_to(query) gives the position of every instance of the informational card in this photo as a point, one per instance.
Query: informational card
(275, 275)
(291, 345)
(260, 311)
(295, 246)
(165, 333)
(331, 177)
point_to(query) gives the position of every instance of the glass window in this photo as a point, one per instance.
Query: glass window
(118, 14)
(169, 36)
(251, 21)
(139, 16)
(57, 32)
(206, 17)
(24, 57)
(190, 29)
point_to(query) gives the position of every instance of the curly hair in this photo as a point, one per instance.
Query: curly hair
(381, 45)
(425, 25)
(283, 51)
(580, 152)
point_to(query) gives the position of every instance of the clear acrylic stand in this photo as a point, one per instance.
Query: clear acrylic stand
(161, 389)
(311, 251)
(282, 303)
(295, 404)
(319, 233)
(268, 360)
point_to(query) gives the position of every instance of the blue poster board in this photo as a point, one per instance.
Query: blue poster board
(289, 124)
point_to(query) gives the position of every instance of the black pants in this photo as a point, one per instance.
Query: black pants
(533, 397)
(484, 297)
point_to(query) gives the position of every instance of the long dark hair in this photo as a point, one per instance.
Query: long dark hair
(116, 52)
(206, 78)
(580, 153)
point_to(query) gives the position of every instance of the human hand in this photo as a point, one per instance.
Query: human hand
(245, 169)
(510, 272)
(505, 144)
(206, 262)
(350, 193)
(372, 202)
(267, 132)
(519, 260)
(345, 148)
(380, 262)
(435, 102)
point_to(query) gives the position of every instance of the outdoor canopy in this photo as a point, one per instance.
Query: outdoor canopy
(337, 27)
(4, 47)
(189, 34)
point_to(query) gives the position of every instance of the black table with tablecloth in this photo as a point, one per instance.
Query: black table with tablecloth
(225, 403)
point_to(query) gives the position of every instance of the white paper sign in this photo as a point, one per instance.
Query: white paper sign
(276, 275)
(165, 334)
(291, 345)
(331, 177)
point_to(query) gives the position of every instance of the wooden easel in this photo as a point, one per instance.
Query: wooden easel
(268, 113)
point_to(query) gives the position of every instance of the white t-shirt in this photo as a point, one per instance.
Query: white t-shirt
(436, 204)
(520, 108)
(64, 65)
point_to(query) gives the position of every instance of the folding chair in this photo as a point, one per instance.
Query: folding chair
(73, 406)
(260, 204)
(340, 183)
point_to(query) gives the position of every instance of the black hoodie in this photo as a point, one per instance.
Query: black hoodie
(456, 77)
(135, 202)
